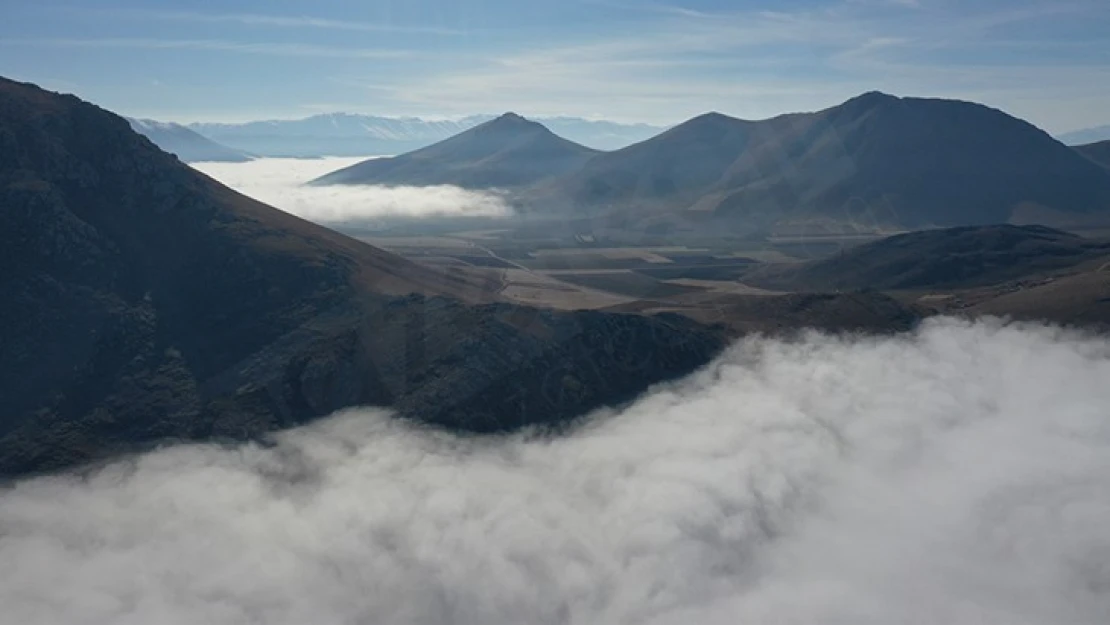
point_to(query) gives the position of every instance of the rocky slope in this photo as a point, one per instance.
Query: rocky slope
(143, 302)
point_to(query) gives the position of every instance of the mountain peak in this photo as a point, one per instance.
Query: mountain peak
(713, 117)
(869, 99)
(875, 96)
(508, 151)
(513, 120)
(510, 125)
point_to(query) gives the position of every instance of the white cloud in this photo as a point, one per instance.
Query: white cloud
(958, 475)
(280, 182)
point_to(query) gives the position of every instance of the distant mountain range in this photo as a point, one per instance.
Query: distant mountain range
(874, 163)
(187, 145)
(1097, 152)
(345, 134)
(507, 152)
(1085, 136)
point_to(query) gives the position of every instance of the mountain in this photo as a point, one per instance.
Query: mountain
(189, 146)
(939, 259)
(1097, 152)
(875, 163)
(345, 134)
(1085, 136)
(144, 302)
(507, 152)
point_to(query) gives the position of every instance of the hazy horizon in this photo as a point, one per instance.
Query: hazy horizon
(649, 62)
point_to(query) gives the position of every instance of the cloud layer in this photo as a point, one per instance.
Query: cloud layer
(280, 182)
(958, 475)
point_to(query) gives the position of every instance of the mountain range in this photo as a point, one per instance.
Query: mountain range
(187, 145)
(1085, 136)
(1097, 152)
(874, 163)
(345, 134)
(144, 303)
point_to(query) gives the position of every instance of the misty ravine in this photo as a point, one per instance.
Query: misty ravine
(959, 474)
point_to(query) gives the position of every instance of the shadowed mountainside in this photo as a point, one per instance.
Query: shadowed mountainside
(144, 302)
(507, 152)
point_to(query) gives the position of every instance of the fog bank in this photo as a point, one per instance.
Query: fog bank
(957, 475)
(280, 182)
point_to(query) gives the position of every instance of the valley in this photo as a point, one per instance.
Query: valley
(1022, 271)
(587, 273)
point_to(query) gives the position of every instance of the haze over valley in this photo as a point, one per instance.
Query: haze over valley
(281, 182)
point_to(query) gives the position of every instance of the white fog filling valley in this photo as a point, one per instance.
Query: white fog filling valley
(280, 182)
(959, 474)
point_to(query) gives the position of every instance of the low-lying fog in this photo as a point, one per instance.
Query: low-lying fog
(280, 182)
(957, 475)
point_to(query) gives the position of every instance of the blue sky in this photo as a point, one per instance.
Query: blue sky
(627, 60)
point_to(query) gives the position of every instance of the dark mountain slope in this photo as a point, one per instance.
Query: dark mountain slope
(875, 162)
(938, 259)
(507, 152)
(1097, 152)
(142, 302)
(187, 145)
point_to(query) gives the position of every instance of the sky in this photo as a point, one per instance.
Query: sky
(625, 60)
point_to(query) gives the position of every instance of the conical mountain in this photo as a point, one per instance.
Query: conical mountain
(507, 152)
